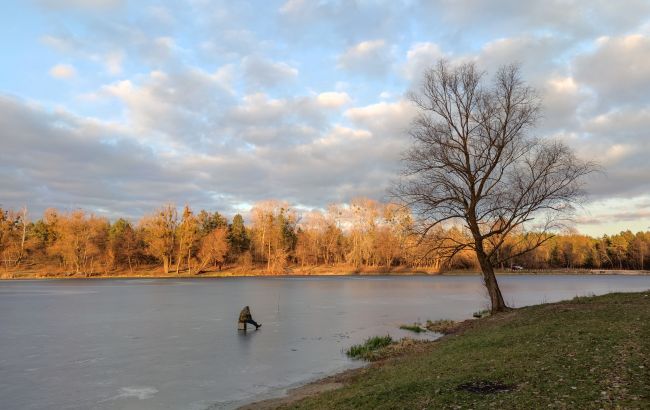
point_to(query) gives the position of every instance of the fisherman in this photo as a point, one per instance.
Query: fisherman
(245, 317)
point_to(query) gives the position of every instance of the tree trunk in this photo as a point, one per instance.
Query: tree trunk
(179, 258)
(189, 256)
(166, 264)
(496, 299)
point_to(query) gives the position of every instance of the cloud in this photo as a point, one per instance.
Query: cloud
(63, 71)
(80, 4)
(420, 57)
(391, 120)
(506, 18)
(113, 61)
(260, 72)
(98, 165)
(617, 70)
(333, 99)
(60, 43)
(620, 142)
(59, 159)
(535, 54)
(561, 98)
(244, 101)
(615, 215)
(367, 57)
(181, 107)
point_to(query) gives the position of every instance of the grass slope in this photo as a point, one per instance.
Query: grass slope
(585, 353)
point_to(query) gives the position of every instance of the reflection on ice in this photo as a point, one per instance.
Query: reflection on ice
(141, 393)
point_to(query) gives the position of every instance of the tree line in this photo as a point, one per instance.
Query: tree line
(362, 235)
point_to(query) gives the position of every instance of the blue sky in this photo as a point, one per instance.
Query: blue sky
(120, 106)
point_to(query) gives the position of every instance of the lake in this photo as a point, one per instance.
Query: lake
(174, 344)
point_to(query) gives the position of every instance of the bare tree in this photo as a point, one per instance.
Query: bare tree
(473, 164)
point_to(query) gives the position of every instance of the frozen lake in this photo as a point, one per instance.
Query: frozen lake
(174, 344)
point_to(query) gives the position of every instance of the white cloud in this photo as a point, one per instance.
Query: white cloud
(333, 99)
(261, 72)
(388, 119)
(618, 69)
(113, 62)
(343, 135)
(292, 6)
(420, 57)
(561, 99)
(63, 71)
(182, 107)
(368, 57)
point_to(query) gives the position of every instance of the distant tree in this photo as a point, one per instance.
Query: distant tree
(159, 231)
(473, 163)
(122, 243)
(274, 236)
(238, 238)
(208, 222)
(618, 248)
(187, 236)
(13, 235)
(363, 216)
(213, 249)
(639, 250)
(81, 240)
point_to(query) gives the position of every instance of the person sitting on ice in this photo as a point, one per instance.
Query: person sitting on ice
(245, 317)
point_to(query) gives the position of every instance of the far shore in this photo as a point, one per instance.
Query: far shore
(233, 272)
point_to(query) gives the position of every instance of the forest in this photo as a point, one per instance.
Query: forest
(364, 235)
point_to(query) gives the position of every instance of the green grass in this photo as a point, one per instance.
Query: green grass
(581, 354)
(415, 327)
(369, 349)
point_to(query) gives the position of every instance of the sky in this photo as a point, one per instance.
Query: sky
(118, 106)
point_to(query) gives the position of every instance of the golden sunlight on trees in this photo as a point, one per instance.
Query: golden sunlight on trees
(273, 233)
(187, 235)
(13, 233)
(159, 232)
(362, 236)
(81, 240)
(213, 249)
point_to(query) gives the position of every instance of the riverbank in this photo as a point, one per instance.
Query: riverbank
(155, 272)
(589, 352)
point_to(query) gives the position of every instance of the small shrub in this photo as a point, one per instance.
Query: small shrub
(441, 326)
(368, 349)
(415, 327)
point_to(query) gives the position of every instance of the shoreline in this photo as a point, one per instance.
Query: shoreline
(348, 385)
(236, 273)
(291, 395)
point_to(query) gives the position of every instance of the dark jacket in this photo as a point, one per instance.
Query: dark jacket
(245, 314)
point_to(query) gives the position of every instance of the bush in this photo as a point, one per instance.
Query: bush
(415, 327)
(368, 349)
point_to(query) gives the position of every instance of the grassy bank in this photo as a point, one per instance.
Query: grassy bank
(584, 353)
